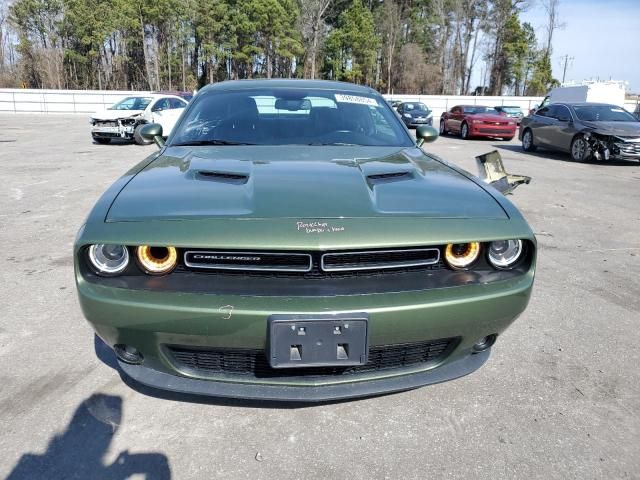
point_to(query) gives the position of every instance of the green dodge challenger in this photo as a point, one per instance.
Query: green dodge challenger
(291, 241)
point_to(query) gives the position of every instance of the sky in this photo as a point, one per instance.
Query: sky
(602, 36)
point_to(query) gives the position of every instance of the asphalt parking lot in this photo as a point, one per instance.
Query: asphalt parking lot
(559, 398)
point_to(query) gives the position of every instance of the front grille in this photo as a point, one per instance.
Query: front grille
(107, 124)
(379, 259)
(312, 265)
(248, 261)
(629, 148)
(495, 130)
(253, 362)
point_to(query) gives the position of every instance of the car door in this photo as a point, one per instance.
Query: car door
(454, 119)
(541, 125)
(561, 134)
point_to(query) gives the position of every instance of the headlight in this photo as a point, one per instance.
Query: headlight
(461, 255)
(505, 253)
(406, 115)
(109, 259)
(157, 260)
(512, 123)
(477, 121)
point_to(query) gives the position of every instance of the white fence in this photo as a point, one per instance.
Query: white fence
(58, 101)
(88, 101)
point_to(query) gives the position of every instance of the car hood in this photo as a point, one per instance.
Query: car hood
(624, 129)
(258, 182)
(109, 114)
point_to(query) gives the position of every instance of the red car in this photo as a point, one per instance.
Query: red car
(477, 121)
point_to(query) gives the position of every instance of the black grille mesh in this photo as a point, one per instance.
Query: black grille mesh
(253, 362)
(387, 258)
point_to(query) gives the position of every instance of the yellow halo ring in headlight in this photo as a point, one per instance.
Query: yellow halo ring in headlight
(157, 260)
(462, 255)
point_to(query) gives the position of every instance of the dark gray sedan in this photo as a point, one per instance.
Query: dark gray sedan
(588, 131)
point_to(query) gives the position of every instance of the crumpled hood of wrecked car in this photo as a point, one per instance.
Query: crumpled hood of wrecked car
(115, 114)
(299, 182)
(624, 129)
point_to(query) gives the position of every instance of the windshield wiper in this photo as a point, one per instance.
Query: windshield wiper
(195, 143)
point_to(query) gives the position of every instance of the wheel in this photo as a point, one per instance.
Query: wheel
(102, 141)
(580, 151)
(527, 141)
(443, 130)
(138, 138)
(464, 131)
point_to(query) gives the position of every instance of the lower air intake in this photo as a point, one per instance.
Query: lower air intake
(253, 362)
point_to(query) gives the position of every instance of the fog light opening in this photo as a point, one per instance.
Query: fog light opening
(484, 343)
(128, 354)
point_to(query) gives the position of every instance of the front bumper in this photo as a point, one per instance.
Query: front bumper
(150, 321)
(112, 131)
(417, 123)
(195, 386)
(485, 130)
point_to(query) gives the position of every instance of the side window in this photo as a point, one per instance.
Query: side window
(553, 111)
(562, 113)
(400, 108)
(455, 110)
(543, 112)
(162, 104)
(176, 103)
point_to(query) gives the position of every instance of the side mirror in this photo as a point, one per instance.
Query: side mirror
(153, 132)
(426, 134)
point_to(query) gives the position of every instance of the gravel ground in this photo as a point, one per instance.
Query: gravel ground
(559, 398)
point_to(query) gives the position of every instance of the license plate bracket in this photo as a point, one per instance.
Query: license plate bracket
(318, 340)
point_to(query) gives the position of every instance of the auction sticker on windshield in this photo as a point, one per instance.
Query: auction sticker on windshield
(356, 99)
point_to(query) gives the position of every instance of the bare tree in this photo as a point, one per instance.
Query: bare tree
(553, 22)
(389, 28)
(313, 28)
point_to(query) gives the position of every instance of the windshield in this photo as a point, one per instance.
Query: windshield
(479, 109)
(410, 107)
(603, 113)
(132, 103)
(290, 116)
(510, 109)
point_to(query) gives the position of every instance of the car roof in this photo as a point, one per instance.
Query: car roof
(154, 96)
(287, 83)
(582, 104)
(507, 106)
(473, 106)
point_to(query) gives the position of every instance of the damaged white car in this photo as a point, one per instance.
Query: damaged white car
(125, 118)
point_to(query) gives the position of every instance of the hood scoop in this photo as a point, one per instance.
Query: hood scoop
(389, 170)
(378, 178)
(222, 177)
(235, 172)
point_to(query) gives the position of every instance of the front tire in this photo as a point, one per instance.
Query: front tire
(527, 141)
(464, 131)
(580, 149)
(443, 129)
(138, 138)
